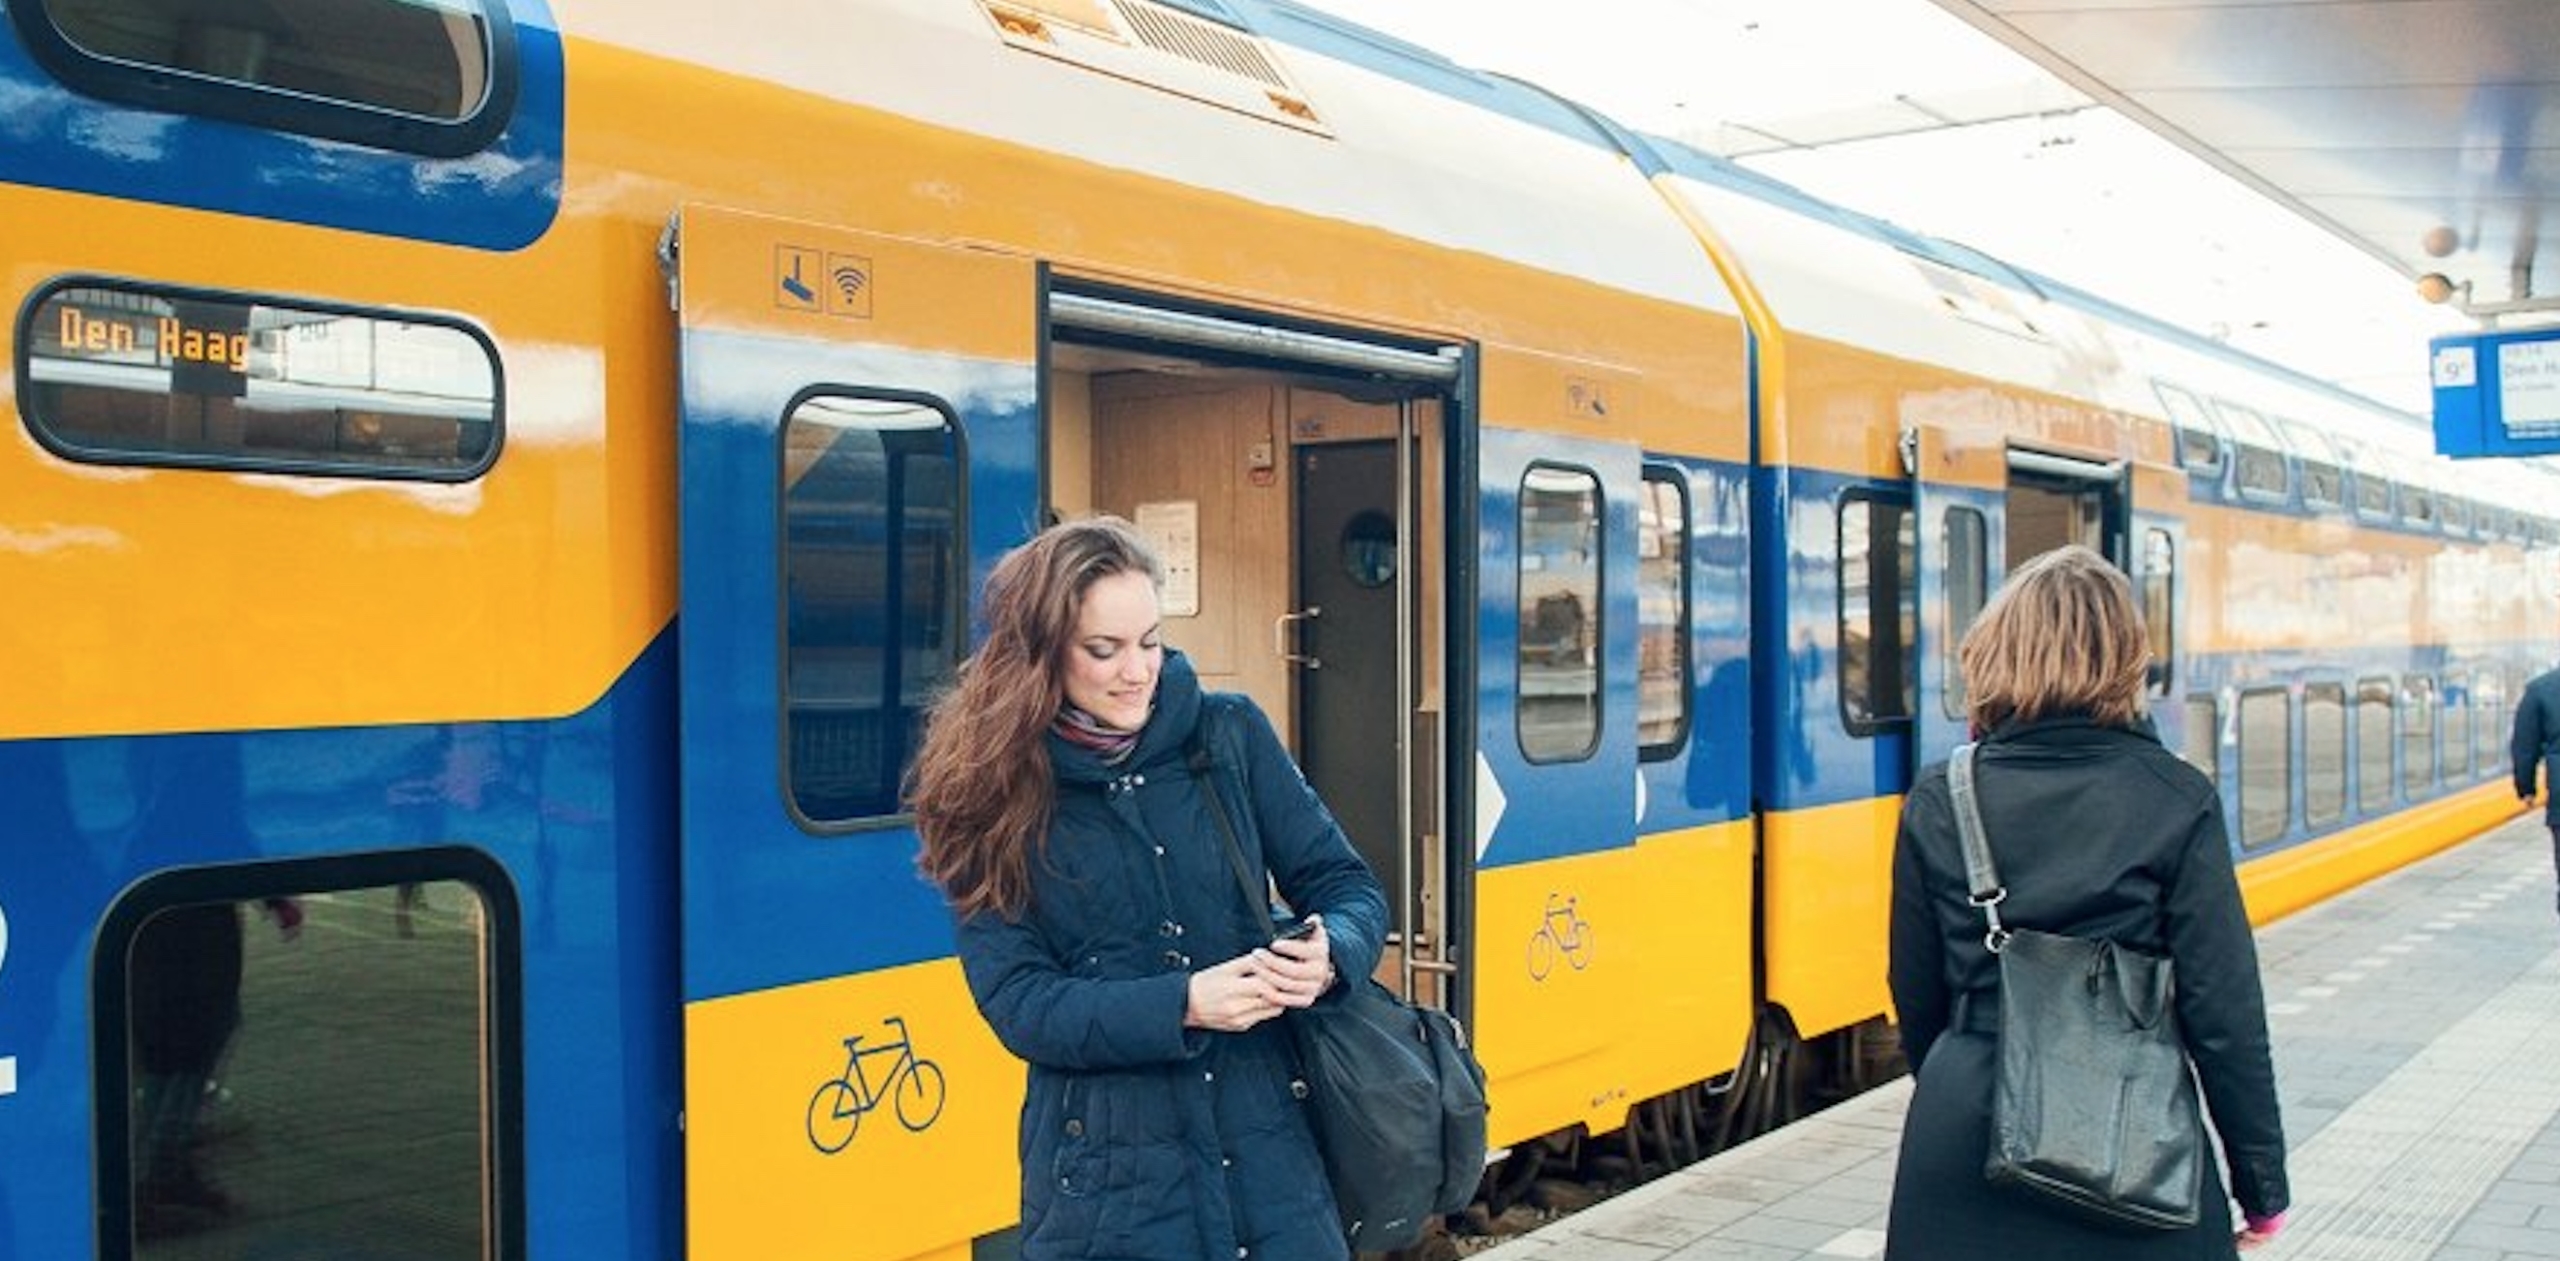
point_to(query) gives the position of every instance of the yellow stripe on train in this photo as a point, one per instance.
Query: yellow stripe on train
(798, 1146)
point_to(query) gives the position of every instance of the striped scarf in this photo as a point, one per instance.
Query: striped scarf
(1085, 731)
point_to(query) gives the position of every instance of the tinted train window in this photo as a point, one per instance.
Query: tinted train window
(1662, 614)
(298, 1060)
(2418, 507)
(2417, 734)
(1879, 612)
(2373, 495)
(432, 76)
(1559, 708)
(2373, 746)
(873, 577)
(2204, 735)
(116, 373)
(2266, 766)
(2258, 467)
(2199, 443)
(2489, 701)
(2456, 707)
(1966, 585)
(2159, 607)
(2324, 753)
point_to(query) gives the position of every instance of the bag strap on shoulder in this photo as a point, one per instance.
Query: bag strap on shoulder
(1982, 879)
(1204, 767)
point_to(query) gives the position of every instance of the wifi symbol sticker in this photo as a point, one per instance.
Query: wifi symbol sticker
(847, 286)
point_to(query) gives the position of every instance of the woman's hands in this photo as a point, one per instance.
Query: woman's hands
(1254, 987)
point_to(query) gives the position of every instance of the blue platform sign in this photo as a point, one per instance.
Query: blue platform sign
(2497, 393)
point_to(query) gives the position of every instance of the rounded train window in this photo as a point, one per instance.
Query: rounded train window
(1369, 549)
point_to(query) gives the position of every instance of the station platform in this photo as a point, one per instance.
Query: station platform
(2417, 1044)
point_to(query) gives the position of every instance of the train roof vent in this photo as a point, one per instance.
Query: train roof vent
(1162, 47)
(1977, 300)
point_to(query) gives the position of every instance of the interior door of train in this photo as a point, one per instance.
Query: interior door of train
(855, 443)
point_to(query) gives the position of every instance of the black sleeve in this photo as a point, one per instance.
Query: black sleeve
(1916, 967)
(2222, 1010)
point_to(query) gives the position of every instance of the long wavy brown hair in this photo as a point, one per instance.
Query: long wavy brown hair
(981, 787)
(2063, 636)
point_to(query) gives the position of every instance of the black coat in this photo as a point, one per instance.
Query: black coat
(1143, 1140)
(2097, 832)
(2535, 744)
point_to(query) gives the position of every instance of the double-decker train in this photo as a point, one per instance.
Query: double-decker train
(492, 487)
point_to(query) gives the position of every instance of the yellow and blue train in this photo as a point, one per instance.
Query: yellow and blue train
(492, 486)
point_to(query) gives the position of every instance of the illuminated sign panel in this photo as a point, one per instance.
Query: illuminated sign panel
(118, 372)
(2497, 393)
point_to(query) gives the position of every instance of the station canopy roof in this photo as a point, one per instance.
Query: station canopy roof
(2426, 132)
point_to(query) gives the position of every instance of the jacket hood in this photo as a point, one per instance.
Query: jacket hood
(1166, 737)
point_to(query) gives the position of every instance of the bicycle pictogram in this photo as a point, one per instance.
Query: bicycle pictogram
(914, 1086)
(1562, 931)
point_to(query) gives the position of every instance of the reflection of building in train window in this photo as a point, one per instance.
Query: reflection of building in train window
(1879, 612)
(1662, 613)
(1559, 602)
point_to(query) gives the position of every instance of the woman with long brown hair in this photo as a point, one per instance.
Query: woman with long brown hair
(1064, 796)
(2097, 830)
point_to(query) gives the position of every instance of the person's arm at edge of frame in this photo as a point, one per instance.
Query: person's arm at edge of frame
(2222, 1010)
(1916, 968)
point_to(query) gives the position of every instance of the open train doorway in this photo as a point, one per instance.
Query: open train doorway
(2057, 500)
(1292, 477)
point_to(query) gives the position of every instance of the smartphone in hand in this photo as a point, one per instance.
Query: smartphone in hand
(1299, 931)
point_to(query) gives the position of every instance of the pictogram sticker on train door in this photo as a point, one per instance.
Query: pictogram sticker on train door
(858, 428)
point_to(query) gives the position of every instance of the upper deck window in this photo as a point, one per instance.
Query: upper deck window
(2199, 439)
(2259, 468)
(112, 372)
(429, 76)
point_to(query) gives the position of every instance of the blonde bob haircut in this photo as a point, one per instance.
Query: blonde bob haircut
(2062, 638)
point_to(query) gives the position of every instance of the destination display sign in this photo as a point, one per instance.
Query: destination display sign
(2497, 393)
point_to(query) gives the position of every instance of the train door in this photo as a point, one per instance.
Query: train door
(2058, 500)
(1956, 502)
(856, 442)
(1349, 694)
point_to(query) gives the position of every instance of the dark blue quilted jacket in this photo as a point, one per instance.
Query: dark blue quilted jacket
(1142, 1139)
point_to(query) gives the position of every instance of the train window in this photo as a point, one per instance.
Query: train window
(2159, 608)
(2324, 753)
(115, 372)
(435, 77)
(269, 1036)
(2373, 746)
(1879, 612)
(1966, 586)
(2455, 511)
(1559, 705)
(2489, 701)
(2455, 705)
(2418, 506)
(1662, 614)
(2323, 481)
(2204, 735)
(2417, 734)
(2259, 466)
(873, 576)
(2266, 765)
(2199, 439)
(2371, 489)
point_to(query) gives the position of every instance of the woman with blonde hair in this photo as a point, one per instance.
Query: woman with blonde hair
(2097, 831)
(1064, 795)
